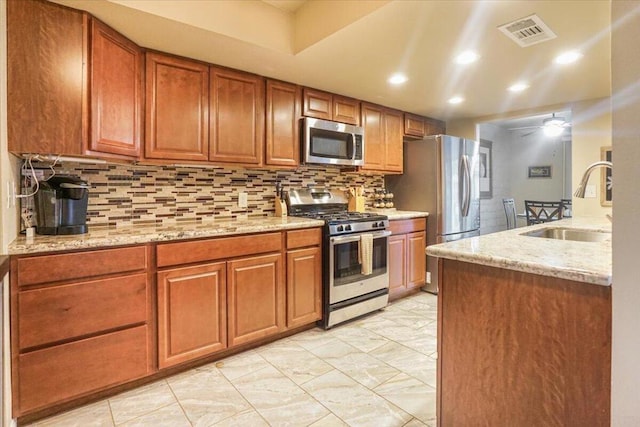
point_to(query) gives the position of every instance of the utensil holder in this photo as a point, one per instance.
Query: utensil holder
(356, 203)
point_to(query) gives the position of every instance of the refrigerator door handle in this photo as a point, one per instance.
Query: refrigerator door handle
(466, 182)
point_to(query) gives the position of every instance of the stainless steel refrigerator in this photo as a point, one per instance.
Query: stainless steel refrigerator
(441, 176)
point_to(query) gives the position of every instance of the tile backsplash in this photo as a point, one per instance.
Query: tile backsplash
(136, 194)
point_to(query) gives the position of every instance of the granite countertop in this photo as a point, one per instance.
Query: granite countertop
(396, 214)
(588, 262)
(98, 237)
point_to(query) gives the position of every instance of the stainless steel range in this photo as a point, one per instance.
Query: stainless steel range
(355, 254)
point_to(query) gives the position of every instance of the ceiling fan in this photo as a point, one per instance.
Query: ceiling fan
(551, 126)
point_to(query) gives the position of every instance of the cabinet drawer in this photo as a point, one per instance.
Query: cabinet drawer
(206, 250)
(58, 313)
(407, 225)
(54, 268)
(302, 238)
(67, 371)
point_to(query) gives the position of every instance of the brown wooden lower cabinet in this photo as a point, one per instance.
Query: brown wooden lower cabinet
(88, 324)
(82, 326)
(304, 286)
(519, 349)
(58, 373)
(255, 298)
(407, 259)
(192, 313)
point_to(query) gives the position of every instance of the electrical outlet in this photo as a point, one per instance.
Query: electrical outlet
(428, 277)
(242, 200)
(590, 191)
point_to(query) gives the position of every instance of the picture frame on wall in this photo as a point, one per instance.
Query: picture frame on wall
(539, 172)
(486, 171)
(606, 183)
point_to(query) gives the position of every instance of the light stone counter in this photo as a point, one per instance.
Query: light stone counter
(99, 237)
(588, 262)
(396, 215)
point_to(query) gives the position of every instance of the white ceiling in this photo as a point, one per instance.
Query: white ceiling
(351, 47)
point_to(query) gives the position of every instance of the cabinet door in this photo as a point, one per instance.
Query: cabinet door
(393, 126)
(176, 108)
(373, 123)
(346, 110)
(46, 78)
(116, 92)
(255, 292)
(397, 264)
(416, 259)
(317, 104)
(191, 313)
(237, 117)
(304, 286)
(283, 124)
(414, 125)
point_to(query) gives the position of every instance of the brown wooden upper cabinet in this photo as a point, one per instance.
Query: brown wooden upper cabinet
(383, 131)
(176, 108)
(418, 126)
(236, 117)
(324, 105)
(116, 93)
(284, 105)
(47, 78)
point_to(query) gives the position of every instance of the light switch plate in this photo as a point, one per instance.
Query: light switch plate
(590, 191)
(242, 200)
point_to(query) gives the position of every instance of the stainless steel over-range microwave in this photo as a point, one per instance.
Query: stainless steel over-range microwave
(332, 143)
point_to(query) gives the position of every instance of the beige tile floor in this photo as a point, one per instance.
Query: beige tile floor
(379, 371)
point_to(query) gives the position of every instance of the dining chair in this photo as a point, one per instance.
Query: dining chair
(510, 212)
(567, 208)
(539, 212)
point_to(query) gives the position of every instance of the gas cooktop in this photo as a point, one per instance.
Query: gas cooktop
(331, 207)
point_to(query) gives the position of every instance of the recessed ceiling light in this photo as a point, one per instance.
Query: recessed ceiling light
(568, 57)
(397, 79)
(518, 87)
(456, 100)
(467, 57)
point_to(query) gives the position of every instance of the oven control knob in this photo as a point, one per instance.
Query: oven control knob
(374, 225)
(347, 228)
(339, 228)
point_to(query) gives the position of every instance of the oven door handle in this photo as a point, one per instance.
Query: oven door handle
(354, 238)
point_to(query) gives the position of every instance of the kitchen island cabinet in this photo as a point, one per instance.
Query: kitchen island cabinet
(524, 339)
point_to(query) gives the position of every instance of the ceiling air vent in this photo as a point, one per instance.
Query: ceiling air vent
(528, 31)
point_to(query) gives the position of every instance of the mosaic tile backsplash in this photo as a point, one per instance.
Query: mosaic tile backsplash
(137, 194)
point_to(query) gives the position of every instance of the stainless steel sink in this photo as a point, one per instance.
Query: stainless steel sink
(562, 233)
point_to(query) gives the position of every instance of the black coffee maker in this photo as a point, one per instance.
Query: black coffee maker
(61, 205)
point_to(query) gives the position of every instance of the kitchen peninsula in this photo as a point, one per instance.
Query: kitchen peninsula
(524, 327)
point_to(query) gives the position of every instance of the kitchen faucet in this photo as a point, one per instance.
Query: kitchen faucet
(585, 178)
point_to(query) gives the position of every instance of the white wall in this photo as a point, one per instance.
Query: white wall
(492, 216)
(625, 62)
(591, 130)
(536, 149)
